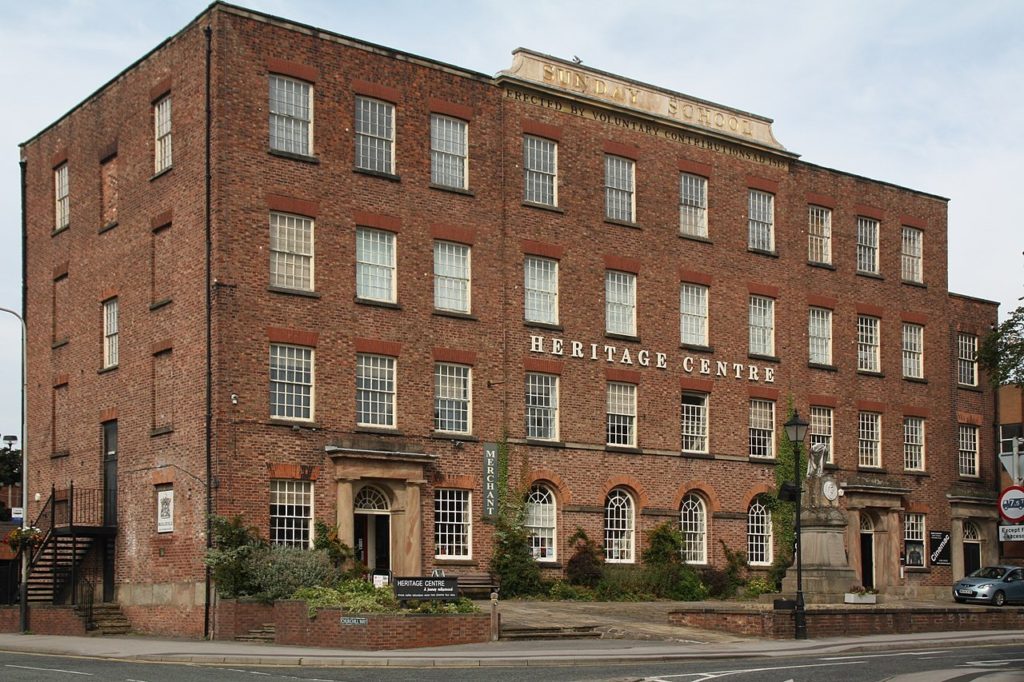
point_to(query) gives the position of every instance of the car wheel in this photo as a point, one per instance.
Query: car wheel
(999, 598)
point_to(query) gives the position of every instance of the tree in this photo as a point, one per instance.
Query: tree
(10, 466)
(1002, 351)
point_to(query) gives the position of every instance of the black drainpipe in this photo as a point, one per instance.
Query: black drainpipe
(208, 32)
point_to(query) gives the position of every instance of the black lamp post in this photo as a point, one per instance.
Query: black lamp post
(796, 429)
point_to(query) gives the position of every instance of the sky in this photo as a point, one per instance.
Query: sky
(926, 94)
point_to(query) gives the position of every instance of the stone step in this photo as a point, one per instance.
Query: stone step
(265, 634)
(573, 632)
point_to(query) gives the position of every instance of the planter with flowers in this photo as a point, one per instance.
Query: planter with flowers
(859, 594)
(27, 538)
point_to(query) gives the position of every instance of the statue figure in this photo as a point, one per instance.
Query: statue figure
(816, 460)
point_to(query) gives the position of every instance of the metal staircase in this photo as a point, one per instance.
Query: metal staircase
(72, 524)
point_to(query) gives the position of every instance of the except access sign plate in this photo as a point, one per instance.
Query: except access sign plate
(1011, 503)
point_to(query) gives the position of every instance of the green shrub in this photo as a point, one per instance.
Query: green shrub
(665, 546)
(359, 596)
(722, 583)
(278, 572)
(326, 538)
(758, 586)
(235, 547)
(584, 566)
(463, 605)
(563, 591)
(513, 562)
(675, 581)
(623, 583)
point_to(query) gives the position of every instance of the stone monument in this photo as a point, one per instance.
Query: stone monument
(827, 575)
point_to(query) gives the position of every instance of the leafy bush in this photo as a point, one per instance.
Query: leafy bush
(278, 572)
(758, 586)
(722, 583)
(235, 546)
(623, 583)
(562, 591)
(326, 538)
(463, 605)
(513, 562)
(665, 547)
(675, 581)
(584, 566)
(359, 596)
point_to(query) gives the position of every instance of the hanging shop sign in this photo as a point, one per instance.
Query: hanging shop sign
(490, 480)
(938, 548)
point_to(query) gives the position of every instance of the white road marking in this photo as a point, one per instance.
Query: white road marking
(51, 670)
(700, 677)
(854, 657)
(995, 662)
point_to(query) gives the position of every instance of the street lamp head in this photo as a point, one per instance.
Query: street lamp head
(796, 428)
(10, 440)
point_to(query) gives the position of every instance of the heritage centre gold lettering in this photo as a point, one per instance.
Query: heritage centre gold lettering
(614, 355)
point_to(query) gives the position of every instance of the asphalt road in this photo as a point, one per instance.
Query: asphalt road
(988, 664)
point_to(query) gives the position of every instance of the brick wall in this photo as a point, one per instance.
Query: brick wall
(43, 619)
(233, 617)
(382, 631)
(838, 622)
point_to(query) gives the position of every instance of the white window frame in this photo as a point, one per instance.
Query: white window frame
(540, 287)
(761, 221)
(291, 251)
(1007, 432)
(759, 534)
(693, 525)
(376, 255)
(693, 314)
(61, 197)
(376, 390)
(162, 149)
(912, 255)
(819, 234)
(453, 398)
(111, 352)
(868, 343)
(869, 440)
(867, 245)
(541, 522)
(914, 526)
(449, 152)
(914, 442)
(913, 350)
(762, 326)
(291, 513)
(375, 135)
(291, 115)
(620, 302)
(967, 439)
(967, 359)
(693, 420)
(693, 205)
(761, 428)
(540, 171)
(819, 336)
(292, 382)
(821, 426)
(619, 188)
(620, 422)
(619, 527)
(452, 277)
(541, 409)
(453, 523)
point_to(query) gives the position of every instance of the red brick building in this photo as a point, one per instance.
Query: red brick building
(328, 294)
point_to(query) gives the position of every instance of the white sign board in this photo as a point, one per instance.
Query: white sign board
(165, 511)
(1011, 533)
(17, 513)
(1011, 504)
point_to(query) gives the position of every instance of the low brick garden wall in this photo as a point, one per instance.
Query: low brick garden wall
(43, 619)
(381, 630)
(844, 621)
(366, 631)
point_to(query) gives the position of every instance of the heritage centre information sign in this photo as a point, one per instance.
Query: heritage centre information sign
(426, 588)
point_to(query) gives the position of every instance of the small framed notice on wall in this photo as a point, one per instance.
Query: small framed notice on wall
(165, 510)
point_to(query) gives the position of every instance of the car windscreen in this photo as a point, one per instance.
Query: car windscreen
(989, 572)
